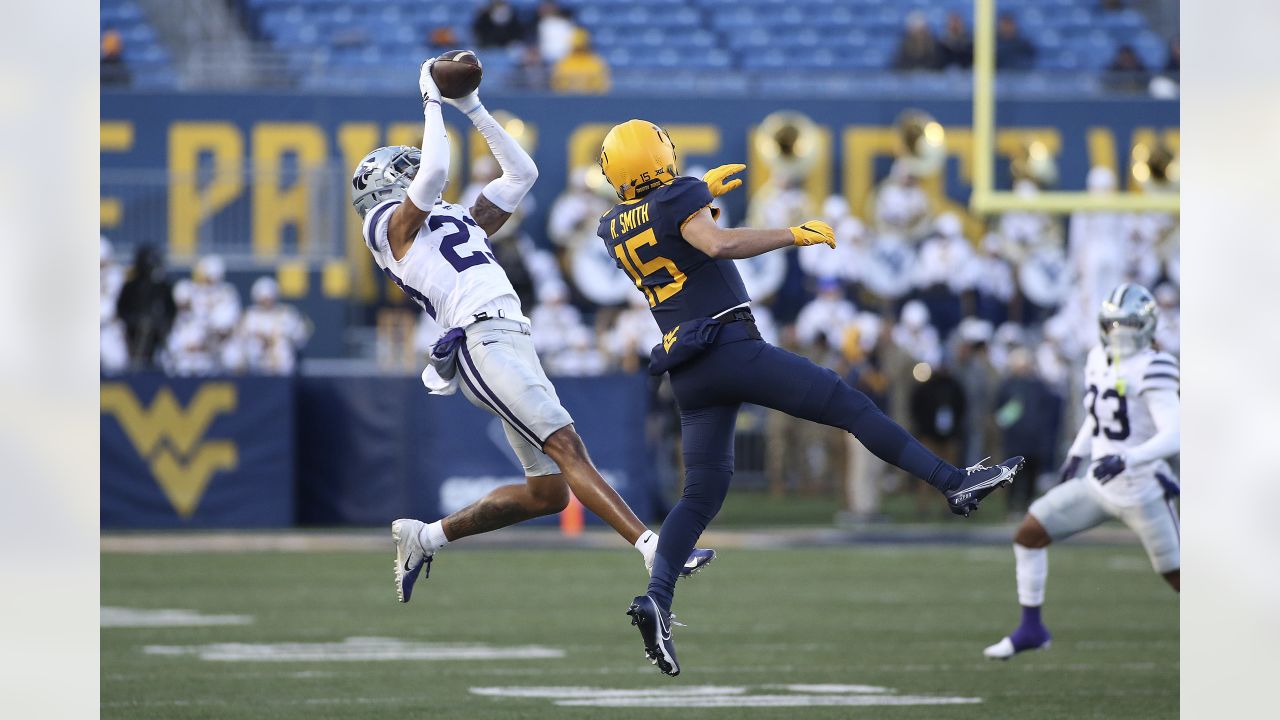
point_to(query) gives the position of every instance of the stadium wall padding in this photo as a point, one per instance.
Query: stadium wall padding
(222, 452)
(197, 453)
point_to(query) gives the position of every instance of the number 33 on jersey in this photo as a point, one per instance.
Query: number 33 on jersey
(643, 236)
(1113, 393)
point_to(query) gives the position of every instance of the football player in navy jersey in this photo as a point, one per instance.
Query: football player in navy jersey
(664, 236)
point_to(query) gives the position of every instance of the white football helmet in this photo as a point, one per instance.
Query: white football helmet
(383, 174)
(1127, 320)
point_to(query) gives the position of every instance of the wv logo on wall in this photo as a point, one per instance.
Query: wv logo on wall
(179, 452)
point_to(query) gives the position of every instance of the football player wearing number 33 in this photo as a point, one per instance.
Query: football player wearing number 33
(439, 255)
(664, 236)
(1130, 427)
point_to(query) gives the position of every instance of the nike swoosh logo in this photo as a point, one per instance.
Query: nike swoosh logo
(663, 628)
(406, 563)
(691, 563)
(488, 342)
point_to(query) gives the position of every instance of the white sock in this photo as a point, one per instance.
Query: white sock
(1032, 570)
(648, 546)
(432, 536)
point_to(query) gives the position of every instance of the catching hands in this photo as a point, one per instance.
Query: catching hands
(813, 232)
(427, 84)
(1108, 467)
(715, 179)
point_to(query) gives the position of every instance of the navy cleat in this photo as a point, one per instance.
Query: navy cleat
(411, 557)
(698, 559)
(655, 630)
(979, 482)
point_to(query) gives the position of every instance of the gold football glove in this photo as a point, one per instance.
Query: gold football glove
(715, 179)
(813, 232)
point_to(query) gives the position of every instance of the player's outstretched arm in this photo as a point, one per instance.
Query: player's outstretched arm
(432, 174)
(500, 197)
(701, 231)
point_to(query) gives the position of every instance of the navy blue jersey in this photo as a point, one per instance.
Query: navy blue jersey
(680, 281)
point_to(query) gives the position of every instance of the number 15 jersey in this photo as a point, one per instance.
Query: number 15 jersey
(1118, 418)
(681, 282)
(449, 270)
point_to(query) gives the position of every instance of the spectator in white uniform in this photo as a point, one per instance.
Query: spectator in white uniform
(272, 332)
(902, 207)
(554, 320)
(1169, 322)
(214, 300)
(188, 348)
(916, 336)
(112, 348)
(826, 315)
(580, 358)
(944, 257)
(848, 260)
(633, 335)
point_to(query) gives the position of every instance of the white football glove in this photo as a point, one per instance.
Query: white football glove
(427, 84)
(466, 103)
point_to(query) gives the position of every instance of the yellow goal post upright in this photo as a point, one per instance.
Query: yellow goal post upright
(984, 198)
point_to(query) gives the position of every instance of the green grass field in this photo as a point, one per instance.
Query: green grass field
(910, 620)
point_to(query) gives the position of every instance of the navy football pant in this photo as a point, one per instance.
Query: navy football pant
(711, 388)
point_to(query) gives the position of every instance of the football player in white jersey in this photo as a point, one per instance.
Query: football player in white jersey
(439, 255)
(1130, 430)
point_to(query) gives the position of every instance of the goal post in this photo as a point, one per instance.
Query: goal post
(985, 199)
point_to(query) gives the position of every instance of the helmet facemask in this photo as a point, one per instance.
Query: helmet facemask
(384, 174)
(1127, 320)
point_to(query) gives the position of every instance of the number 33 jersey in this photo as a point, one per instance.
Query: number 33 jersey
(449, 270)
(681, 282)
(1119, 419)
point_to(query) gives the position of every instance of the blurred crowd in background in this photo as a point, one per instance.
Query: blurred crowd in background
(194, 326)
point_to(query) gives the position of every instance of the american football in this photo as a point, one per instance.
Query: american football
(717, 359)
(457, 73)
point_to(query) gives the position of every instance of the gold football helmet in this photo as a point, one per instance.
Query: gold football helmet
(637, 156)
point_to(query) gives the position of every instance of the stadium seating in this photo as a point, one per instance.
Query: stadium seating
(339, 45)
(148, 61)
(1075, 37)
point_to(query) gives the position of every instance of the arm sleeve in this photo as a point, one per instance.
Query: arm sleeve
(1163, 406)
(1081, 446)
(434, 170)
(518, 169)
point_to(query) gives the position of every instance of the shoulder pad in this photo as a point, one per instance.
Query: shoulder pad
(680, 199)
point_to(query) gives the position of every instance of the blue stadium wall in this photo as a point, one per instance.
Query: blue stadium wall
(253, 452)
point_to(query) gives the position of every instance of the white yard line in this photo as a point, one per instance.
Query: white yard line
(121, 617)
(354, 650)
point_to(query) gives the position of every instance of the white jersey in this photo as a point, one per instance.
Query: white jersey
(449, 270)
(1118, 418)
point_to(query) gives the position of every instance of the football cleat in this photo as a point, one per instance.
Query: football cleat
(411, 557)
(1020, 641)
(655, 631)
(698, 559)
(979, 482)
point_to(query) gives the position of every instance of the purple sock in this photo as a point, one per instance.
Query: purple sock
(1031, 616)
(1031, 632)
